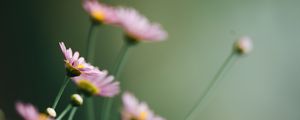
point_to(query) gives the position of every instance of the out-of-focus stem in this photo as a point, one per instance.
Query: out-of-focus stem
(67, 109)
(62, 89)
(116, 71)
(218, 76)
(71, 116)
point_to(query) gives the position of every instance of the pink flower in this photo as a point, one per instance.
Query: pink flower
(88, 78)
(29, 112)
(135, 110)
(97, 83)
(99, 11)
(74, 64)
(138, 27)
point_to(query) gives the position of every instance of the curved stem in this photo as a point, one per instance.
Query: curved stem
(91, 41)
(67, 109)
(217, 77)
(116, 71)
(71, 116)
(62, 89)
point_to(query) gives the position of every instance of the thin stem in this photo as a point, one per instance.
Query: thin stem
(91, 41)
(121, 60)
(90, 109)
(67, 109)
(71, 116)
(217, 77)
(116, 71)
(62, 89)
(107, 108)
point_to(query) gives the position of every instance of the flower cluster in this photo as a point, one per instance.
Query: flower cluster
(136, 26)
(89, 79)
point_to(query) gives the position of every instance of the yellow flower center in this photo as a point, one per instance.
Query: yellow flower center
(77, 67)
(142, 116)
(80, 66)
(72, 71)
(43, 117)
(88, 87)
(98, 15)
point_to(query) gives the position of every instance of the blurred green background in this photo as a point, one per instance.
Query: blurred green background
(170, 75)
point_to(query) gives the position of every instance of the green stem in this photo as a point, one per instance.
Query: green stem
(71, 116)
(67, 109)
(90, 109)
(217, 77)
(62, 89)
(121, 60)
(91, 42)
(116, 71)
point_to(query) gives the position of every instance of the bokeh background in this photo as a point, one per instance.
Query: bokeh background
(171, 75)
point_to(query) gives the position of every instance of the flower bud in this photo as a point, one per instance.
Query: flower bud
(51, 112)
(243, 46)
(76, 100)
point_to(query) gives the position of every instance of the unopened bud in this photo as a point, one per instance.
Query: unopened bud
(243, 45)
(51, 112)
(76, 100)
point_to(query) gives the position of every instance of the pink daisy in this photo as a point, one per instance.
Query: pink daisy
(29, 112)
(99, 11)
(99, 84)
(138, 27)
(135, 110)
(74, 64)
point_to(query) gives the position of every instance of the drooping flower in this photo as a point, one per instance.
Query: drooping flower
(135, 110)
(100, 12)
(29, 112)
(138, 27)
(99, 83)
(244, 45)
(74, 64)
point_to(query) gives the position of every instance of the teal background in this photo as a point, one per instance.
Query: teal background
(170, 75)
